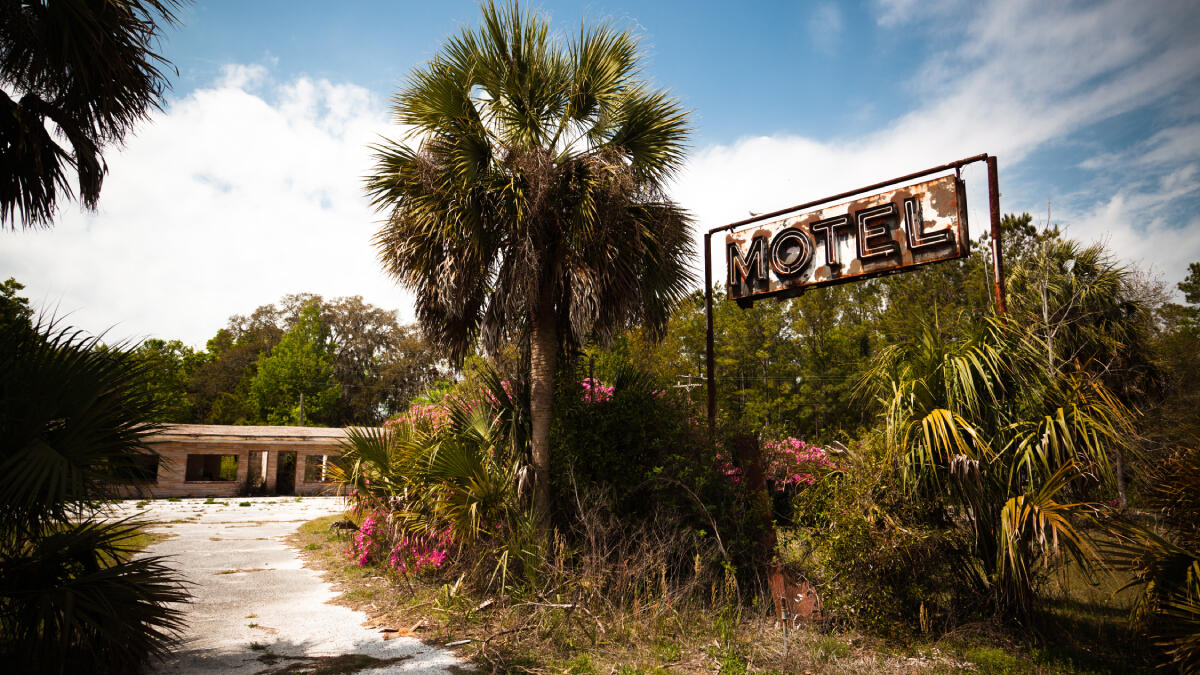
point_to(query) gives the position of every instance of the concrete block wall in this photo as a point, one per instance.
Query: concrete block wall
(180, 441)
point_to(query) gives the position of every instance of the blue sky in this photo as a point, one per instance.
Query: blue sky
(247, 186)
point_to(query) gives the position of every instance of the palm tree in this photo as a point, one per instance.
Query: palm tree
(72, 423)
(86, 69)
(531, 203)
(1079, 302)
(978, 426)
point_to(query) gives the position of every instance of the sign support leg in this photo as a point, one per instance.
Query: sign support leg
(997, 253)
(709, 366)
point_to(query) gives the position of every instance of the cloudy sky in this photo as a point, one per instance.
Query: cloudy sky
(248, 185)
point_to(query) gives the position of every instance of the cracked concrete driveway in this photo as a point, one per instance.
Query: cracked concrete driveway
(256, 608)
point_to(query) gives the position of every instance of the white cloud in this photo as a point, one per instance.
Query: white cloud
(236, 195)
(893, 13)
(1134, 223)
(250, 189)
(1025, 75)
(240, 76)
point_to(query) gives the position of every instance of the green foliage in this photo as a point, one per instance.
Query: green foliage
(784, 366)
(883, 561)
(981, 427)
(450, 471)
(1079, 302)
(626, 441)
(638, 446)
(300, 365)
(1190, 286)
(1171, 421)
(72, 420)
(378, 364)
(15, 312)
(168, 367)
(1165, 562)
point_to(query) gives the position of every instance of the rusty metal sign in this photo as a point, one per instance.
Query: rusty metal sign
(880, 234)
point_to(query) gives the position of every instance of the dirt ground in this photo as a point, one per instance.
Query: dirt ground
(256, 608)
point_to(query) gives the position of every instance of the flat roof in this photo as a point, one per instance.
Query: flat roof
(223, 432)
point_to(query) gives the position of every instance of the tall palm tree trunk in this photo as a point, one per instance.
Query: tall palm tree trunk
(543, 353)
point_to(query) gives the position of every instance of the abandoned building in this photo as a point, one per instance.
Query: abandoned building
(202, 460)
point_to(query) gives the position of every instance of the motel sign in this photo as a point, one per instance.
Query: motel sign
(883, 233)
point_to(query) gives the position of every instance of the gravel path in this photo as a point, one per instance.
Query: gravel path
(256, 608)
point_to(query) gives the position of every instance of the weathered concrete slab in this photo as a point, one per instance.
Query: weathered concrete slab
(251, 588)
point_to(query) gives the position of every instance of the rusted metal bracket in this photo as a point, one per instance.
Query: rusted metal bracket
(997, 258)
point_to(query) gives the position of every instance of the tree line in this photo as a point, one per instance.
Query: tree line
(304, 360)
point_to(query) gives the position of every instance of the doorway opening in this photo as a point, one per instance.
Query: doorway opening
(285, 474)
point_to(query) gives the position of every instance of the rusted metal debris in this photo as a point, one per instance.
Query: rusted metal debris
(342, 527)
(796, 599)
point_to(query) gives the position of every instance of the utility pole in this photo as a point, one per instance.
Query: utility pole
(301, 408)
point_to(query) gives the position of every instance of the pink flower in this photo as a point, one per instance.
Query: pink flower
(595, 391)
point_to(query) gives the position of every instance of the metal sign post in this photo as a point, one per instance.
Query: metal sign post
(891, 232)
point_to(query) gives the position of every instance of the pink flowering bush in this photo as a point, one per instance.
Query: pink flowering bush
(442, 481)
(416, 552)
(788, 463)
(366, 547)
(411, 553)
(791, 461)
(595, 391)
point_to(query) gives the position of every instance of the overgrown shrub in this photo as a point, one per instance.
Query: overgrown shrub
(987, 430)
(619, 433)
(1164, 561)
(883, 562)
(453, 471)
(622, 433)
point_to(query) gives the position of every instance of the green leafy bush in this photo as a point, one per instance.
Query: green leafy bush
(1165, 562)
(882, 561)
(618, 433)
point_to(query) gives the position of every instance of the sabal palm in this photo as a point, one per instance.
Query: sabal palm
(532, 204)
(464, 476)
(72, 422)
(85, 68)
(1079, 302)
(979, 426)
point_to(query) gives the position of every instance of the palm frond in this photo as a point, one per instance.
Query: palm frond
(73, 420)
(75, 598)
(88, 69)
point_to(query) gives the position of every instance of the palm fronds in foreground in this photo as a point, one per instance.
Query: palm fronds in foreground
(72, 598)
